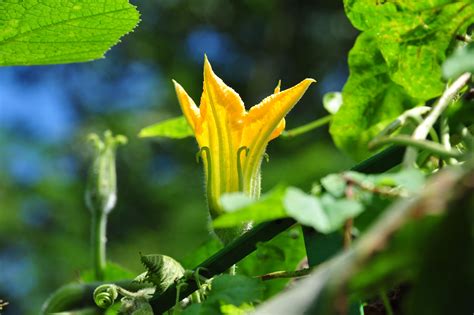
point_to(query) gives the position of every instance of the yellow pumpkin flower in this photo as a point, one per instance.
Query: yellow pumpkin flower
(232, 140)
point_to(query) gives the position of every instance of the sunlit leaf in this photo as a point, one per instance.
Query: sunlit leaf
(395, 63)
(38, 32)
(413, 37)
(176, 128)
(371, 99)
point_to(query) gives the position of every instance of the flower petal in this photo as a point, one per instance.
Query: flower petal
(264, 118)
(222, 112)
(189, 108)
(278, 130)
(265, 121)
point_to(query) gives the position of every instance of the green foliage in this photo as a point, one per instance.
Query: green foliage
(462, 60)
(395, 63)
(175, 128)
(268, 207)
(49, 32)
(284, 252)
(236, 290)
(403, 247)
(370, 99)
(326, 212)
(161, 270)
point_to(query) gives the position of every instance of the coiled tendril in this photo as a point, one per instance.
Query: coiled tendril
(105, 295)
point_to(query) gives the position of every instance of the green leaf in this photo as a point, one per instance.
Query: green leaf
(412, 180)
(413, 37)
(325, 215)
(39, 32)
(334, 184)
(235, 290)
(284, 252)
(305, 209)
(332, 101)
(339, 210)
(371, 99)
(462, 60)
(229, 309)
(175, 128)
(395, 63)
(227, 290)
(268, 207)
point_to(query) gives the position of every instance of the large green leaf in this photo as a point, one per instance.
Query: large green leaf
(413, 37)
(370, 99)
(38, 32)
(395, 63)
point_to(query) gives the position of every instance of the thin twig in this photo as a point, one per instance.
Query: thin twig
(384, 191)
(285, 274)
(423, 129)
(348, 225)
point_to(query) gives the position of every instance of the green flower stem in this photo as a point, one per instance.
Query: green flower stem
(423, 129)
(99, 239)
(430, 146)
(308, 127)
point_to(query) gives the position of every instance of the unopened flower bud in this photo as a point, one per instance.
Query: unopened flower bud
(101, 191)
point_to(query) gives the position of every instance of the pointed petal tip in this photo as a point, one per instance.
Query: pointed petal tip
(177, 86)
(207, 66)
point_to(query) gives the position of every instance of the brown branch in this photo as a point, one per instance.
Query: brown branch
(285, 274)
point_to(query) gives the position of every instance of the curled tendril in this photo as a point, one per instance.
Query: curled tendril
(105, 295)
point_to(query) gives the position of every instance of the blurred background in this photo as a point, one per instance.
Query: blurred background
(46, 113)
